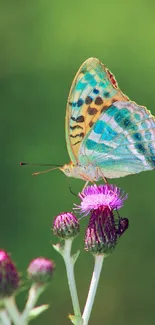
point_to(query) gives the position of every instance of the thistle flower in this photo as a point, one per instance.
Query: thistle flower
(9, 276)
(66, 225)
(40, 270)
(95, 197)
(104, 227)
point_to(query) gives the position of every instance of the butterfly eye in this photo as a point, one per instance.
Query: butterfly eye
(67, 170)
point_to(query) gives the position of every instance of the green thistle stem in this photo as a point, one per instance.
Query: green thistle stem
(93, 287)
(69, 262)
(4, 317)
(34, 293)
(12, 310)
(23, 318)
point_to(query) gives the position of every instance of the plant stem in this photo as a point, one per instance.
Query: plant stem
(71, 279)
(34, 293)
(93, 287)
(12, 310)
(4, 317)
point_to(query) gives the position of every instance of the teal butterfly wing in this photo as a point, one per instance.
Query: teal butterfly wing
(121, 141)
(94, 88)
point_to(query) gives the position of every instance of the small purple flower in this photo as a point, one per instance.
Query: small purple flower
(94, 197)
(40, 270)
(104, 227)
(66, 225)
(9, 276)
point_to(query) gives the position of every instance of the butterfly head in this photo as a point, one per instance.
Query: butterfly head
(68, 170)
(75, 171)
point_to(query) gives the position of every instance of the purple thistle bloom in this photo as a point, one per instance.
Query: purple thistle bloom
(40, 270)
(66, 225)
(94, 197)
(104, 227)
(9, 276)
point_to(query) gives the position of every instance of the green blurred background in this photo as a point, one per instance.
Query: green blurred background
(42, 45)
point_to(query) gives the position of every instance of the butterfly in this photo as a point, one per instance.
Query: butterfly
(107, 135)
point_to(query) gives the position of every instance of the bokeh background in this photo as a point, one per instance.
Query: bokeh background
(42, 45)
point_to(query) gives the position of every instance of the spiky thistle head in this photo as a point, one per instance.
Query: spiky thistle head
(104, 226)
(66, 225)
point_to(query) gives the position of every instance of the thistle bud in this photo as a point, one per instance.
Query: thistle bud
(66, 225)
(40, 270)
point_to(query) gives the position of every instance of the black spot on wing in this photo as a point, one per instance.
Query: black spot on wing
(80, 102)
(95, 91)
(77, 135)
(79, 119)
(76, 143)
(141, 149)
(88, 100)
(98, 101)
(92, 110)
(76, 127)
(137, 136)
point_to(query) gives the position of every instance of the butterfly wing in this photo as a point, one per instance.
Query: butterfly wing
(94, 88)
(121, 142)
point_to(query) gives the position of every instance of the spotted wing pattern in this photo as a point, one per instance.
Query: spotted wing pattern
(94, 89)
(121, 141)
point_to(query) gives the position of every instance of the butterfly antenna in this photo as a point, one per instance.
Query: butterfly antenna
(22, 163)
(43, 165)
(44, 171)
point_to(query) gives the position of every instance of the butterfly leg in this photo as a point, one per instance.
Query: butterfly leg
(87, 179)
(85, 185)
(104, 178)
